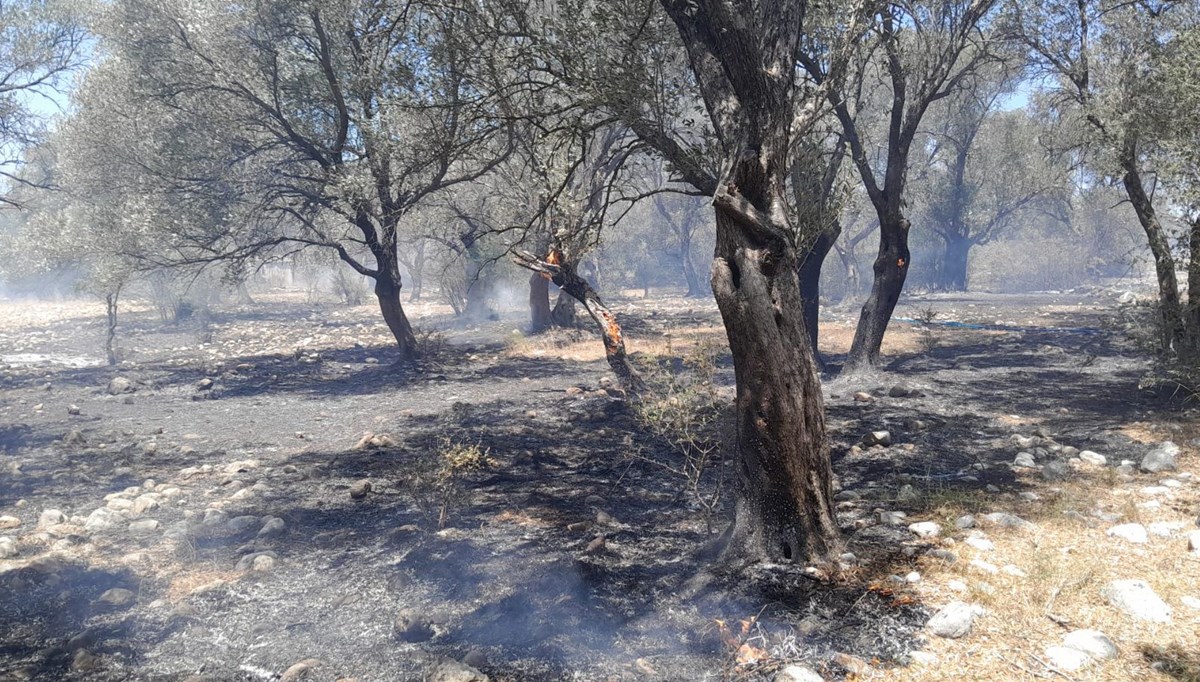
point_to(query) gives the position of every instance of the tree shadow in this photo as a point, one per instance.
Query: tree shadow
(1173, 661)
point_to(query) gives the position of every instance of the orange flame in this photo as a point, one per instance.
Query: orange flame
(900, 262)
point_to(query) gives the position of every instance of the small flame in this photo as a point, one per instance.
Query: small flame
(900, 262)
(748, 654)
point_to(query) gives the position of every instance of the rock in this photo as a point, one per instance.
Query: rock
(925, 529)
(453, 671)
(1093, 458)
(8, 547)
(1006, 520)
(877, 438)
(863, 397)
(1191, 602)
(119, 385)
(965, 521)
(73, 410)
(892, 518)
(360, 489)
(1066, 659)
(902, 391)
(1193, 540)
(1024, 459)
(1056, 470)
(1014, 571)
(143, 526)
(1129, 532)
(943, 554)
(85, 661)
(240, 524)
(256, 561)
(952, 621)
(1154, 490)
(1091, 642)
(51, 517)
(1161, 458)
(852, 664)
(103, 519)
(797, 673)
(272, 526)
(144, 503)
(411, 626)
(116, 598)
(1029, 496)
(9, 522)
(1137, 599)
(1165, 529)
(980, 542)
(984, 566)
(301, 670)
(204, 384)
(907, 494)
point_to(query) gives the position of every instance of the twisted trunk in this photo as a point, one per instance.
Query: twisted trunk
(1170, 310)
(539, 303)
(810, 284)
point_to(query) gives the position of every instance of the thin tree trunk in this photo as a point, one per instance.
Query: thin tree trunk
(1170, 311)
(1192, 315)
(110, 337)
(539, 303)
(810, 285)
(891, 269)
(954, 263)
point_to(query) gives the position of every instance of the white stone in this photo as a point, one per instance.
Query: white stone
(923, 657)
(1137, 599)
(1191, 602)
(892, 518)
(957, 585)
(1165, 529)
(103, 519)
(1024, 459)
(1093, 643)
(953, 620)
(1154, 490)
(1129, 532)
(51, 517)
(1014, 571)
(984, 566)
(1093, 458)
(925, 529)
(797, 673)
(1066, 659)
(980, 543)
(1161, 458)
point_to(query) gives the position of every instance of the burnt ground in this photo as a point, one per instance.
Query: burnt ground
(513, 583)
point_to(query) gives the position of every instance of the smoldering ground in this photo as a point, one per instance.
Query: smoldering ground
(515, 583)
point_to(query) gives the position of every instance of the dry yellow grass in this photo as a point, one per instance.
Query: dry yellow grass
(1068, 562)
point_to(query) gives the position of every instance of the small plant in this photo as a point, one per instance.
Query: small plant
(432, 344)
(436, 485)
(926, 317)
(682, 409)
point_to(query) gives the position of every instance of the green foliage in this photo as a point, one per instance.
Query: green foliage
(437, 483)
(682, 410)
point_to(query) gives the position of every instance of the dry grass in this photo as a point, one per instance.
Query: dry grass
(1068, 562)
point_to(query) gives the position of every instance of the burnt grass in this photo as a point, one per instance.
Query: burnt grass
(509, 584)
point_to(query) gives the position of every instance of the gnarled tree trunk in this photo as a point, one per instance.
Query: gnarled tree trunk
(110, 335)
(955, 257)
(810, 285)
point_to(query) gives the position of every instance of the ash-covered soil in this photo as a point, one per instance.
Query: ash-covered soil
(221, 521)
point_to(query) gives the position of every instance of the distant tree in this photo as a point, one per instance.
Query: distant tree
(1105, 66)
(291, 112)
(927, 49)
(42, 42)
(988, 169)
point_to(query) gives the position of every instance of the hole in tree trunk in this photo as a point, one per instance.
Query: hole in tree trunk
(735, 274)
(787, 551)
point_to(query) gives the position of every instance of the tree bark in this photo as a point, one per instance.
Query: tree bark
(1192, 316)
(1171, 332)
(695, 286)
(110, 337)
(810, 285)
(784, 501)
(563, 315)
(539, 303)
(564, 275)
(891, 269)
(387, 291)
(955, 257)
